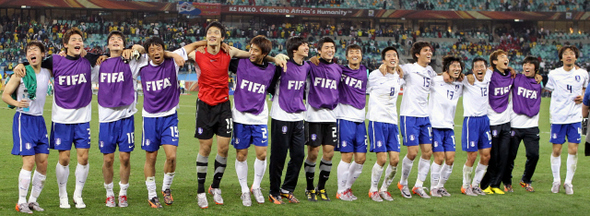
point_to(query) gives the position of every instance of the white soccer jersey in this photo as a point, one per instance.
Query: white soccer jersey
(495, 117)
(383, 91)
(183, 54)
(111, 114)
(565, 86)
(523, 121)
(416, 89)
(475, 98)
(443, 102)
(36, 105)
(249, 118)
(277, 113)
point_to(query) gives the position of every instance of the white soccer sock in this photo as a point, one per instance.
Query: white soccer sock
(467, 176)
(38, 184)
(354, 171)
(406, 169)
(423, 168)
(480, 171)
(62, 173)
(24, 180)
(572, 162)
(150, 183)
(81, 176)
(376, 173)
(242, 171)
(123, 190)
(389, 175)
(168, 178)
(555, 167)
(342, 174)
(259, 170)
(435, 171)
(109, 188)
(444, 175)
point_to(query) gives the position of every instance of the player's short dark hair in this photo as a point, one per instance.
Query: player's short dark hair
(37, 44)
(417, 47)
(293, 43)
(476, 59)
(71, 32)
(572, 48)
(533, 60)
(494, 56)
(217, 25)
(263, 43)
(353, 47)
(324, 40)
(448, 60)
(387, 49)
(153, 41)
(118, 33)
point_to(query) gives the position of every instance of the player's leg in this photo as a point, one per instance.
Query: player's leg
(280, 140)
(151, 144)
(481, 169)
(39, 176)
(574, 135)
(313, 141)
(204, 133)
(468, 144)
(360, 151)
(297, 154)
(325, 167)
(439, 157)
(512, 152)
(447, 168)
(260, 141)
(61, 140)
(241, 141)
(24, 181)
(377, 133)
(126, 146)
(409, 131)
(531, 144)
(392, 145)
(223, 128)
(107, 145)
(345, 146)
(82, 143)
(557, 138)
(169, 171)
(107, 174)
(425, 140)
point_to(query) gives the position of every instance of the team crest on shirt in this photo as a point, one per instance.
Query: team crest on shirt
(578, 78)
(101, 144)
(284, 129)
(58, 141)
(456, 87)
(200, 130)
(435, 143)
(28, 146)
(472, 143)
(314, 137)
(343, 143)
(495, 133)
(412, 137)
(379, 144)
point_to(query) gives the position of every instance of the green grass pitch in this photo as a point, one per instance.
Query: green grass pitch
(541, 202)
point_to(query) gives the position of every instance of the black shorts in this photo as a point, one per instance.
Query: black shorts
(321, 133)
(211, 120)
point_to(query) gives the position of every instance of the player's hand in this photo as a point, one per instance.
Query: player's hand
(447, 77)
(578, 99)
(400, 71)
(23, 103)
(127, 53)
(512, 72)
(178, 59)
(315, 60)
(201, 49)
(383, 69)
(225, 47)
(538, 78)
(470, 79)
(101, 59)
(461, 76)
(83, 53)
(20, 70)
(281, 61)
(62, 53)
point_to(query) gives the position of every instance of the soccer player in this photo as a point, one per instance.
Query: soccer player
(287, 114)
(567, 84)
(159, 80)
(350, 114)
(526, 103)
(442, 105)
(475, 136)
(383, 88)
(415, 122)
(214, 114)
(320, 125)
(250, 114)
(499, 109)
(29, 131)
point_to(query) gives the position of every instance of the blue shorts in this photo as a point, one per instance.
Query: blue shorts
(159, 131)
(118, 133)
(573, 132)
(244, 135)
(352, 137)
(63, 135)
(384, 137)
(416, 130)
(476, 134)
(443, 140)
(29, 135)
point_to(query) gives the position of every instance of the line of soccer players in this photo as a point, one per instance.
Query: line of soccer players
(314, 103)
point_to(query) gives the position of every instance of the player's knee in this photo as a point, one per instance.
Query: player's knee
(261, 156)
(393, 161)
(108, 161)
(171, 159)
(450, 161)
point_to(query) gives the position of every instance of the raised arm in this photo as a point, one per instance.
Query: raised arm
(10, 88)
(193, 46)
